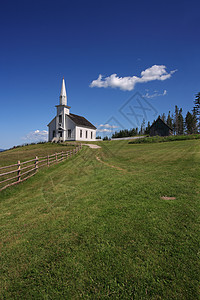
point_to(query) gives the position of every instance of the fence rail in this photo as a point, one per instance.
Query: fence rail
(7, 179)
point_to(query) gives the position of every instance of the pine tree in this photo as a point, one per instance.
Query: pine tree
(195, 121)
(163, 117)
(197, 108)
(189, 123)
(197, 103)
(142, 129)
(169, 120)
(180, 122)
(175, 121)
(132, 132)
(147, 130)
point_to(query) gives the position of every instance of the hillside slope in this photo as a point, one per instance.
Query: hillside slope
(98, 228)
(24, 153)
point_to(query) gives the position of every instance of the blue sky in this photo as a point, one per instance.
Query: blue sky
(42, 41)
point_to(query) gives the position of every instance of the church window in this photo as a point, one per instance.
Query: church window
(86, 134)
(54, 133)
(60, 133)
(69, 133)
(81, 133)
(91, 135)
(60, 118)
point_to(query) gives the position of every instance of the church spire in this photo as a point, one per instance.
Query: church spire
(63, 95)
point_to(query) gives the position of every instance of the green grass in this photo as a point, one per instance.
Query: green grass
(84, 229)
(28, 152)
(161, 139)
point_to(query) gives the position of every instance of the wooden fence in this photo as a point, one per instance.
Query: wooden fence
(26, 169)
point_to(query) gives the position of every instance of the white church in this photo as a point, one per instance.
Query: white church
(69, 127)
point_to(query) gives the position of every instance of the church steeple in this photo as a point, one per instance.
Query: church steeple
(63, 94)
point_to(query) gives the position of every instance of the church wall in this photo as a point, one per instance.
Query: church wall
(61, 125)
(62, 109)
(52, 127)
(83, 138)
(69, 125)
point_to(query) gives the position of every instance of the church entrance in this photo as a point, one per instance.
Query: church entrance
(60, 133)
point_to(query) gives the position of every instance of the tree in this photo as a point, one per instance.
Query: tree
(142, 129)
(125, 133)
(189, 123)
(180, 122)
(163, 117)
(197, 108)
(175, 121)
(169, 120)
(106, 138)
(195, 121)
(197, 103)
(147, 130)
(132, 132)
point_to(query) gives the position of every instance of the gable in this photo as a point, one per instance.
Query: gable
(51, 121)
(160, 124)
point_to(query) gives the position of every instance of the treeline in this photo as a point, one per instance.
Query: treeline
(190, 124)
(126, 133)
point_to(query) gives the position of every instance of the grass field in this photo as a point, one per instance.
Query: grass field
(161, 139)
(31, 151)
(98, 229)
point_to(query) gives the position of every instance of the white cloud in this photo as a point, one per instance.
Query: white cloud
(108, 126)
(36, 136)
(156, 72)
(155, 94)
(104, 130)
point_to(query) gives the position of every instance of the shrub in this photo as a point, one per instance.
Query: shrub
(160, 139)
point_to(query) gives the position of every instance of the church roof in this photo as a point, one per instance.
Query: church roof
(81, 121)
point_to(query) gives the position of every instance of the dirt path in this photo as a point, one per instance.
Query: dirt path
(111, 166)
(92, 146)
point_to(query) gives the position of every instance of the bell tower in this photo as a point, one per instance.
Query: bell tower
(62, 111)
(63, 94)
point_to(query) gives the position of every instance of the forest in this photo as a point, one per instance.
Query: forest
(190, 124)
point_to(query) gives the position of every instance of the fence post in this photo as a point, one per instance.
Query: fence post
(62, 155)
(56, 157)
(19, 171)
(36, 164)
(48, 160)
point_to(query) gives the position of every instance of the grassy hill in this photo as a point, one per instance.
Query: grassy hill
(95, 226)
(24, 153)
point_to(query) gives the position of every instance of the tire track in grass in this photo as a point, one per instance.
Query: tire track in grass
(111, 166)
